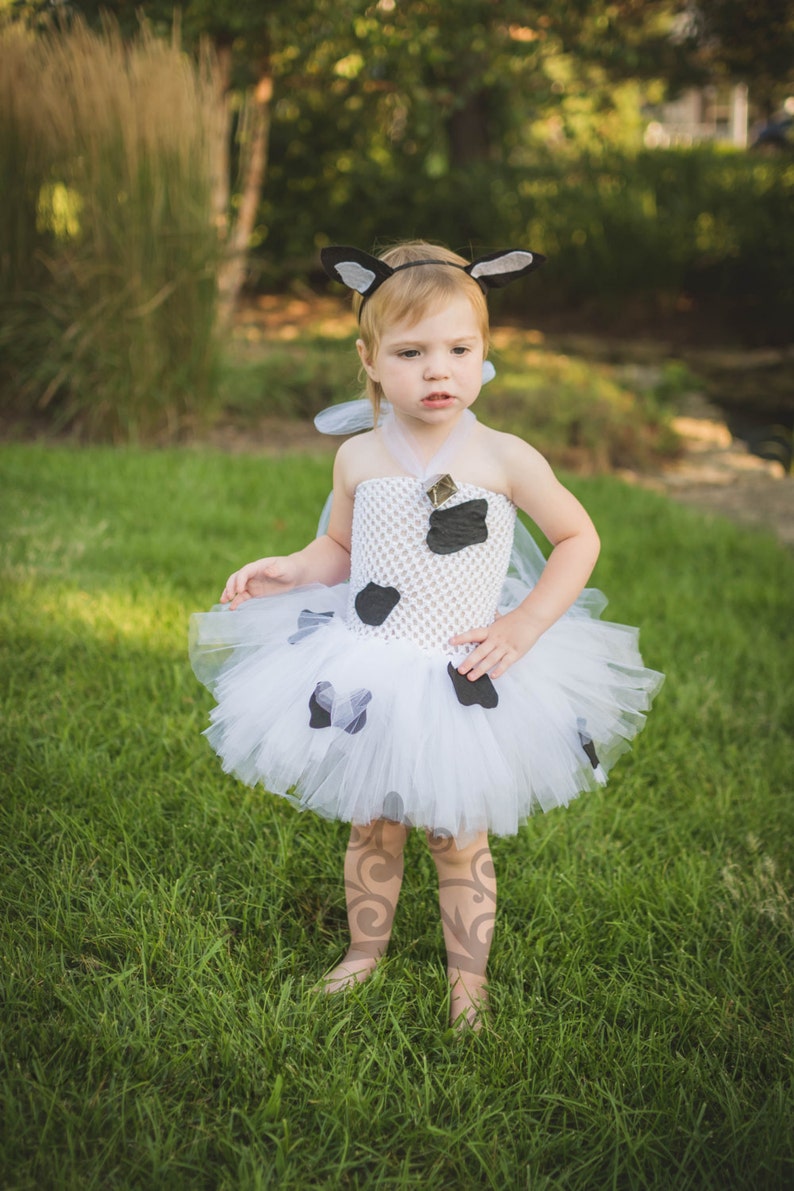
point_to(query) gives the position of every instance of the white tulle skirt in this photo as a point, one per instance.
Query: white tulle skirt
(412, 752)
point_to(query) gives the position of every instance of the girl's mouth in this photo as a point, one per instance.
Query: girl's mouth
(437, 399)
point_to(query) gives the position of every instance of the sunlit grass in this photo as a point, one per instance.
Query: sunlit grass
(163, 926)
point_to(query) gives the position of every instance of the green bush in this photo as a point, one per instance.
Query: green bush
(288, 379)
(709, 226)
(579, 415)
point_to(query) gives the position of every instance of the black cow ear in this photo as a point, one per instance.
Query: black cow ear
(500, 268)
(355, 269)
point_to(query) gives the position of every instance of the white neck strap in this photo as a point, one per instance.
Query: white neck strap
(403, 448)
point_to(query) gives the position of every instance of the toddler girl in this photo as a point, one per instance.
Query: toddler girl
(417, 664)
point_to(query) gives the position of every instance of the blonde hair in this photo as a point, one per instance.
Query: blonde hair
(410, 293)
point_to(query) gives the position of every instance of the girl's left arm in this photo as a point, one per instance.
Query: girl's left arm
(556, 511)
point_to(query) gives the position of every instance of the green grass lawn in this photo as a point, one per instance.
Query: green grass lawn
(163, 926)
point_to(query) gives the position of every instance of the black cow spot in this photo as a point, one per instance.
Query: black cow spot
(327, 709)
(320, 705)
(394, 809)
(454, 529)
(587, 744)
(375, 603)
(481, 692)
(309, 622)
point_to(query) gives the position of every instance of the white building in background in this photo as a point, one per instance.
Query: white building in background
(701, 114)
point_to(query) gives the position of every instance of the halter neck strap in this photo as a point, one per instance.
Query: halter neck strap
(403, 447)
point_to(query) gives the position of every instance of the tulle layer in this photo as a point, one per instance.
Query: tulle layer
(359, 729)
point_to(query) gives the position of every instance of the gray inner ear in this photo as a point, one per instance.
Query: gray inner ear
(508, 263)
(355, 275)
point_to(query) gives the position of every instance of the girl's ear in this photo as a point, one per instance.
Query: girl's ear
(355, 269)
(500, 268)
(367, 362)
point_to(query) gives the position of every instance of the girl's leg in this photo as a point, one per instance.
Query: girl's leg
(373, 876)
(467, 896)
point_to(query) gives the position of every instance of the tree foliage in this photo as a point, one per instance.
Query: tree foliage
(459, 79)
(751, 42)
(462, 120)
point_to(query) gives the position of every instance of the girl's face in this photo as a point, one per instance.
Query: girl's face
(431, 370)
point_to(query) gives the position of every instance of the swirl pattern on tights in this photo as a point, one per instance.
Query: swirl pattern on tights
(373, 876)
(468, 906)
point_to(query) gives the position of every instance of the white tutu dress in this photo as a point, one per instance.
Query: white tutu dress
(346, 699)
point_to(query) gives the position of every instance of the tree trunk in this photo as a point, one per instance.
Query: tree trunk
(255, 133)
(467, 129)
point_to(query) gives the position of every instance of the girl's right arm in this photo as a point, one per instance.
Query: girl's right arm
(325, 560)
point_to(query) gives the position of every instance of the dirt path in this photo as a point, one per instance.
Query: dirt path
(717, 474)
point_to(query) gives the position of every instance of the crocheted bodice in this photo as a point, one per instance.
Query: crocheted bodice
(426, 574)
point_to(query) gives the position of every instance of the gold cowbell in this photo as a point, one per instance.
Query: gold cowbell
(440, 490)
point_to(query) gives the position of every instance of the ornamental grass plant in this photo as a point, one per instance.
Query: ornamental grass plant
(107, 247)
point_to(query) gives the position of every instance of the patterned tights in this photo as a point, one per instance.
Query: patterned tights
(467, 898)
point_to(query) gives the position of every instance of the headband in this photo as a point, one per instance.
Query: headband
(364, 273)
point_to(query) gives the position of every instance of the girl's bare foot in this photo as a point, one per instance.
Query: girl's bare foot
(468, 1008)
(354, 969)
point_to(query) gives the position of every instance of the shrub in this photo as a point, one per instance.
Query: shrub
(622, 230)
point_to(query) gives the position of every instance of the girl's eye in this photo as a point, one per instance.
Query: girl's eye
(410, 353)
(459, 351)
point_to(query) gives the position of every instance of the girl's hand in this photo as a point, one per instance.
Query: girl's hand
(498, 646)
(266, 576)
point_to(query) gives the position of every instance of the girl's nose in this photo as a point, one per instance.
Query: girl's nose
(436, 367)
